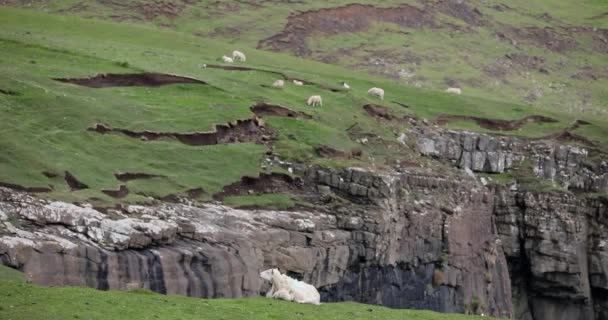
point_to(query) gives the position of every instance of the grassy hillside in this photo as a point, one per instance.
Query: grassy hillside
(22, 301)
(550, 54)
(45, 123)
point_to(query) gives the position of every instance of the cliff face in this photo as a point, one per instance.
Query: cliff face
(408, 239)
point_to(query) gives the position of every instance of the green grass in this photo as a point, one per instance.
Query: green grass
(23, 301)
(44, 126)
(276, 201)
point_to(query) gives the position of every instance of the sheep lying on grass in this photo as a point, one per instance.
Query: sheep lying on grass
(238, 56)
(345, 85)
(227, 59)
(377, 92)
(454, 90)
(278, 84)
(314, 101)
(298, 83)
(287, 288)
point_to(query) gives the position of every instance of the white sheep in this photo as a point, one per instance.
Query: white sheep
(278, 84)
(377, 92)
(238, 56)
(345, 85)
(227, 59)
(298, 83)
(314, 101)
(287, 288)
(203, 66)
(454, 90)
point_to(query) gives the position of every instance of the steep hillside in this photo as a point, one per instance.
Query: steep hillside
(132, 157)
(126, 138)
(547, 54)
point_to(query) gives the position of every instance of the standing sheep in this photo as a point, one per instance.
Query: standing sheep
(227, 59)
(345, 86)
(238, 56)
(278, 84)
(454, 90)
(377, 92)
(298, 83)
(315, 101)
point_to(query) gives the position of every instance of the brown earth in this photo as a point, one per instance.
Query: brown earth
(265, 183)
(495, 124)
(25, 189)
(49, 174)
(330, 21)
(249, 130)
(137, 10)
(74, 183)
(378, 111)
(329, 152)
(264, 109)
(128, 176)
(591, 74)
(130, 80)
(553, 39)
(8, 92)
(122, 192)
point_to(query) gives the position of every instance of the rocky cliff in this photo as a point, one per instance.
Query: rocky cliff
(408, 239)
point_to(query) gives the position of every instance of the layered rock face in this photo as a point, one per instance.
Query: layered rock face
(404, 240)
(409, 239)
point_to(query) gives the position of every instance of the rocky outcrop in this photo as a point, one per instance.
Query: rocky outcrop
(401, 240)
(556, 248)
(565, 165)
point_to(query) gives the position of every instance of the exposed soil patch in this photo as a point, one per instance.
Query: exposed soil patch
(8, 92)
(495, 124)
(264, 109)
(265, 183)
(567, 136)
(460, 10)
(591, 74)
(122, 192)
(25, 189)
(128, 176)
(73, 183)
(195, 192)
(138, 10)
(249, 130)
(49, 174)
(329, 152)
(130, 80)
(378, 111)
(548, 38)
(330, 21)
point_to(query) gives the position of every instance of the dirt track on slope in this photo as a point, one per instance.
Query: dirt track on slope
(129, 80)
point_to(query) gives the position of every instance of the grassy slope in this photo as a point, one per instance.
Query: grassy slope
(22, 301)
(44, 125)
(444, 53)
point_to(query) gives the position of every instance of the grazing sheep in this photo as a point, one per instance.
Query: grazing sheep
(314, 101)
(377, 92)
(202, 66)
(287, 288)
(345, 86)
(227, 59)
(238, 56)
(278, 84)
(454, 90)
(298, 83)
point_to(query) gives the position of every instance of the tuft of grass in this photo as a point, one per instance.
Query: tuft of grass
(276, 201)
